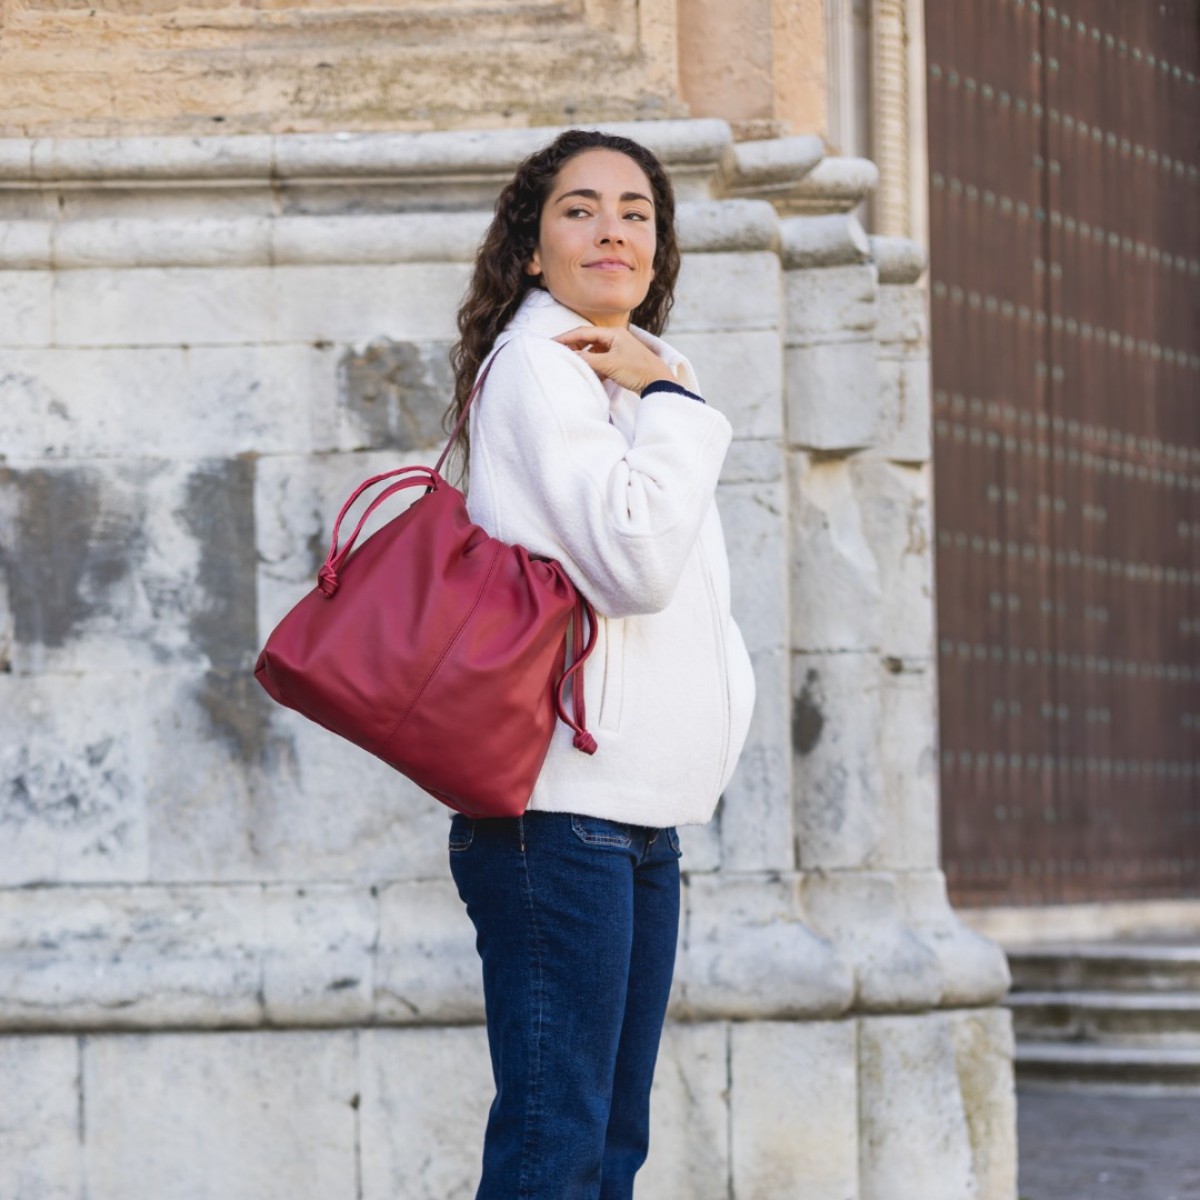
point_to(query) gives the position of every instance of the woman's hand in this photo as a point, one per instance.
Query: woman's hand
(617, 355)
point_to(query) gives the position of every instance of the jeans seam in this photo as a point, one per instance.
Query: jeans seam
(533, 1112)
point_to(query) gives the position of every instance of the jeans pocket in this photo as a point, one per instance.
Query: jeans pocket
(673, 841)
(462, 832)
(596, 831)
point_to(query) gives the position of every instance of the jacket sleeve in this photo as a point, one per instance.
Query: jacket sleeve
(620, 515)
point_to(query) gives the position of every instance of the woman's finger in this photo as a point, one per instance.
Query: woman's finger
(586, 335)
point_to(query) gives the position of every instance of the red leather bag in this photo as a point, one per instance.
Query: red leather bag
(437, 648)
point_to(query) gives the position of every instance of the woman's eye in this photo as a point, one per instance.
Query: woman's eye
(640, 216)
(576, 212)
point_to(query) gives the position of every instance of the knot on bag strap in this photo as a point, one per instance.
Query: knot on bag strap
(327, 579)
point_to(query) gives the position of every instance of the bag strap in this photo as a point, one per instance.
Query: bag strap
(466, 408)
(327, 576)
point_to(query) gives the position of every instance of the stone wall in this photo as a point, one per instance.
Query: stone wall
(221, 927)
(110, 68)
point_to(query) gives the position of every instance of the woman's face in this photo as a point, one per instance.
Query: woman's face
(596, 237)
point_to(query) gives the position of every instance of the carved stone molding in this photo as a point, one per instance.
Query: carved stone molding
(208, 65)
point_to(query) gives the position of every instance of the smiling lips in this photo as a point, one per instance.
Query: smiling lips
(609, 264)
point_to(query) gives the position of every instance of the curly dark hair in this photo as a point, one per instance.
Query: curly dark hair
(500, 281)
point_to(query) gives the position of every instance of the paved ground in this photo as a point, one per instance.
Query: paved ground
(1085, 1145)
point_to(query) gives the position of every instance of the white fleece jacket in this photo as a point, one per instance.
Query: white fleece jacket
(620, 490)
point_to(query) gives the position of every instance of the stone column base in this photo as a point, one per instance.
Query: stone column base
(916, 1107)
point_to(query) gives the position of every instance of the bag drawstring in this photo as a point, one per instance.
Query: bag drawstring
(583, 739)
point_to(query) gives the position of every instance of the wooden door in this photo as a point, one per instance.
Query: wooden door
(1065, 277)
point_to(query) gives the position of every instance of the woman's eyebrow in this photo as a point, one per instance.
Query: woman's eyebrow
(592, 194)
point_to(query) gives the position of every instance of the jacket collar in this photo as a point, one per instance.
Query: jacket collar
(539, 313)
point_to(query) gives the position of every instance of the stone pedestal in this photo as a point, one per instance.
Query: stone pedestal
(220, 924)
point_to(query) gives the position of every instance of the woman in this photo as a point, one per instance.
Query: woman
(590, 443)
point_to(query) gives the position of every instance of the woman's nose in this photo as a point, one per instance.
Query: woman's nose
(609, 228)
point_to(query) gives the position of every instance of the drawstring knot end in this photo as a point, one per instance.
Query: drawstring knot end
(327, 580)
(585, 742)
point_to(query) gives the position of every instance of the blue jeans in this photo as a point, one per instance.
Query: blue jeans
(576, 921)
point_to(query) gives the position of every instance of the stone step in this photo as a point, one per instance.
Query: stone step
(1107, 966)
(1082, 1062)
(1130, 1018)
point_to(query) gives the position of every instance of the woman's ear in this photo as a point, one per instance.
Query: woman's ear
(533, 266)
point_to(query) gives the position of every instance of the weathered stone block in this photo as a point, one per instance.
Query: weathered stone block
(727, 291)
(269, 795)
(904, 411)
(755, 820)
(754, 520)
(794, 1098)
(201, 956)
(748, 954)
(127, 957)
(27, 301)
(893, 503)
(901, 315)
(132, 158)
(909, 763)
(701, 844)
(837, 780)
(425, 1100)
(836, 589)
(130, 564)
(318, 954)
(361, 302)
(915, 1140)
(689, 1115)
(344, 233)
(234, 1116)
(73, 792)
(832, 395)
(831, 303)
(172, 401)
(392, 395)
(202, 240)
(752, 460)
(860, 912)
(983, 1054)
(39, 1119)
(741, 374)
(709, 226)
(427, 968)
(822, 240)
(26, 243)
(156, 306)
